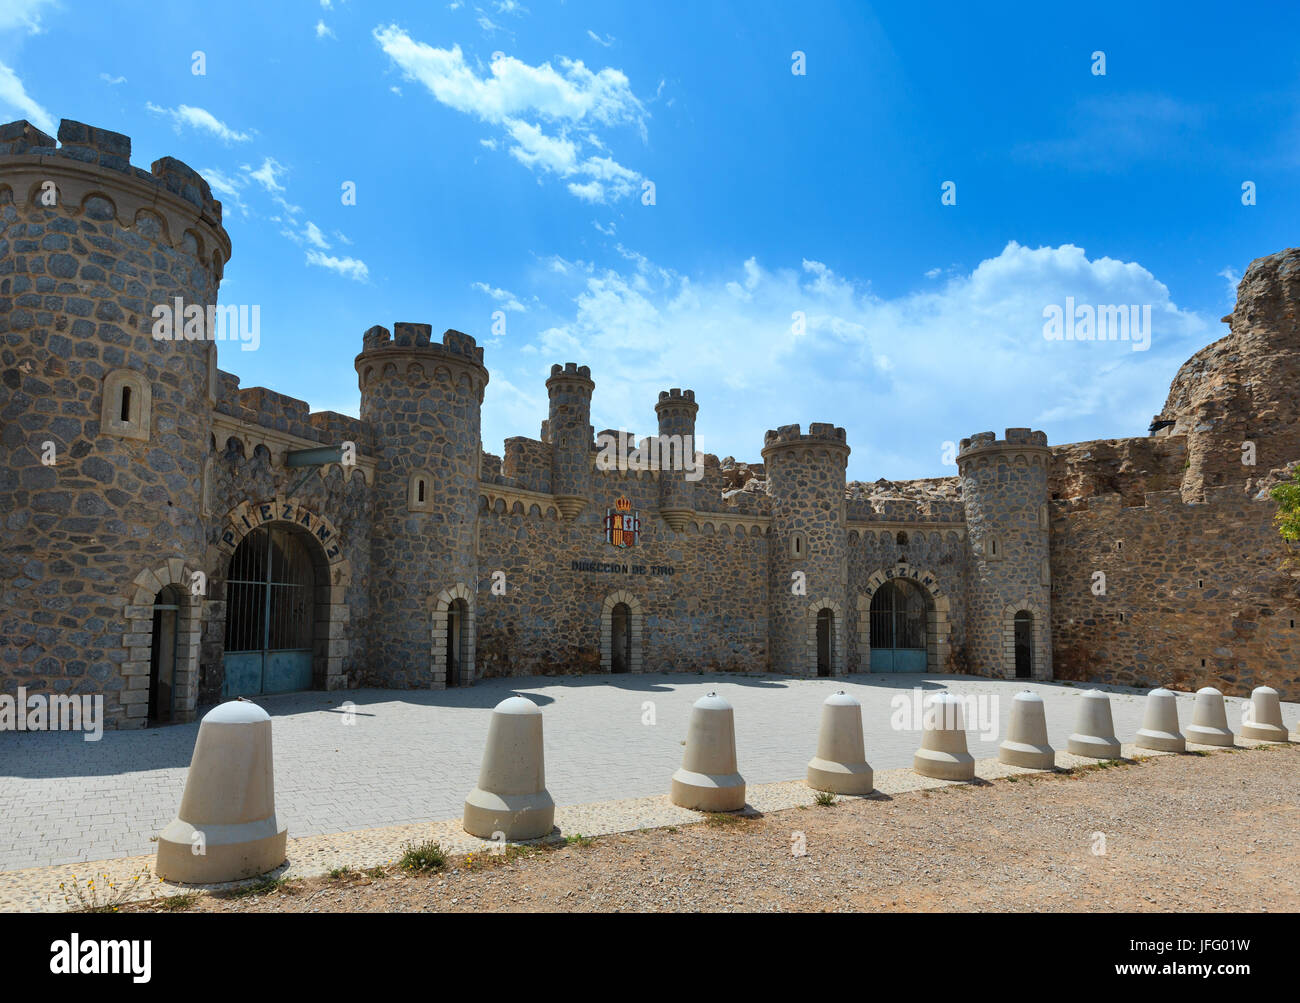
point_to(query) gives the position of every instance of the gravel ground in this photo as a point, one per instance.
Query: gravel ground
(1181, 834)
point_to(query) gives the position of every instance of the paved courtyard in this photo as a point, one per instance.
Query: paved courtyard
(412, 756)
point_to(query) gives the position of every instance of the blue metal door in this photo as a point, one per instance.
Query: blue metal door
(270, 605)
(898, 627)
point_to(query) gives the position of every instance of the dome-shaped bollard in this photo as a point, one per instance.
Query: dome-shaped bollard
(1026, 741)
(1209, 719)
(1094, 729)
(1265, 722)
(1159, 729)
(840, 765)
(943, 754)
(511, 797)
(226, 828)
(708, 779)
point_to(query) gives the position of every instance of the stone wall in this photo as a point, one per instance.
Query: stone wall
(709, 614)
(1196, 594)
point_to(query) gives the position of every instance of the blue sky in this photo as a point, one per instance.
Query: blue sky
(500, 149)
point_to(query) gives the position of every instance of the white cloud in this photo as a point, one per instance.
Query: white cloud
(966, 356)
(201, 119)
(268, 175)
(511, 7)
(310, 234)
(487, 25)
(520, 98)
(1234, 278)
(229, 187)
(14, 94)
(24, 14)
(323, 30)
(508, 300)
(608, 231)
(607, 41)
(350, 268)
(111, 80)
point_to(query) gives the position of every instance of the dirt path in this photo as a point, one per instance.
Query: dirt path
(1182, 833)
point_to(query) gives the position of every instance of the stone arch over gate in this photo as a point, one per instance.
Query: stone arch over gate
(138, 640)
(938, 627)
(334, 576)
(635, 627)
(1041, 658)
(837, 635)
(442, 606)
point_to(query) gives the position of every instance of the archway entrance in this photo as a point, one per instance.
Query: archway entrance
(898, 627)
(825, 635)
(457, 640)
(163, 654)
(620, 646)
(1024, 627)
(270, 614)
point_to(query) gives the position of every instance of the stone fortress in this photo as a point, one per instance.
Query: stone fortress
(169, 539)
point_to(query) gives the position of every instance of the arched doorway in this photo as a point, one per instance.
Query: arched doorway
(270, 613)
(457, 640)
(164, 654)
(620, 646)
(898, 627)
(1024, 629)
(825, 641)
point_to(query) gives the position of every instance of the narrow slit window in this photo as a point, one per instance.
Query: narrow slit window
(125, 411)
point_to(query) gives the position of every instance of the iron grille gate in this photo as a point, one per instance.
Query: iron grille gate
(898, 628)
(270, 605)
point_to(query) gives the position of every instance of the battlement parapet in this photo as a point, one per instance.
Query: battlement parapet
(677, 400)
(819, 433)
(570, 378)
(91, 172)
(1015, 438)
(407, 336)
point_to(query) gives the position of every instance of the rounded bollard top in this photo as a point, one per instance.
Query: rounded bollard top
(1028, 697)
(236, 712)
(1160, 691)
(1093, 694)
(516, 705)
(1208, 689)
(711, 701)
(1261, 690)
(841, 699)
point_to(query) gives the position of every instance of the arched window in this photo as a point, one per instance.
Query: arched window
(163, 654)
(126, 406)
(457, 641)
(901, 539)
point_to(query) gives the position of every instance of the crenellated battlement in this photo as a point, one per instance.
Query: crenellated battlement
(819, 434)
(676, 400)
(1016, 438)
(408, 336)
(88, 171)
(570, 376)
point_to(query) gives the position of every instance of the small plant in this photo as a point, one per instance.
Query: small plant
(175, 903)
(104, 895)
(826, 799)
(262, 886)
(721, 818)
(579, 840)
(376, 873)
(426, 856)
(340, 872)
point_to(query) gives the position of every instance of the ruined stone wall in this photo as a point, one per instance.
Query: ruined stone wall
(528, 463)
(1196, 594)
(708, 615)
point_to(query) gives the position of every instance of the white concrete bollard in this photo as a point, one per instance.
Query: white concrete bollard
(1265, 724)
(708, 779)
(1159, 729)
(943, 754)
(1094, 729)
(226, 828)
(1209, 719)
(1026, 741)
(511, 800)
(840, 765)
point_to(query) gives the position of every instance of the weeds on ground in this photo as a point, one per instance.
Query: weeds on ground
(426, 856)
(826, 799)
(102, 895)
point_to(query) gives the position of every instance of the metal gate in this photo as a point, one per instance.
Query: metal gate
(270, 612)
(898, 626)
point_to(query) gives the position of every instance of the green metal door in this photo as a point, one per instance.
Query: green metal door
(270, 606)
(898, 627)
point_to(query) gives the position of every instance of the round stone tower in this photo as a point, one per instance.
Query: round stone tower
(423, 402)
(807, 552)
(570, 433)
(676, 410)
(1008, 587)
(107, 373)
